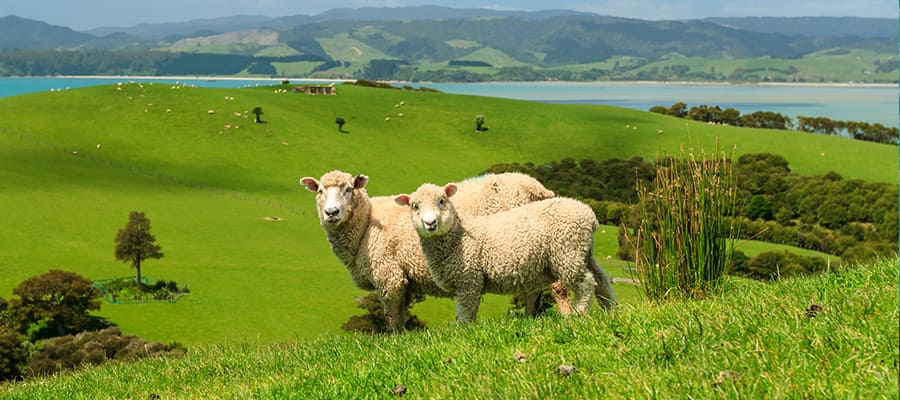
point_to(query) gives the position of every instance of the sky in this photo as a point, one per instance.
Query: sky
(87, 14)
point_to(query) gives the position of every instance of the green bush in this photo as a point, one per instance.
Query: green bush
(774, 265)
(12, 355)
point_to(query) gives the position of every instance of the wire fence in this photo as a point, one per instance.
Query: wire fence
(146, 172)
(111, 291)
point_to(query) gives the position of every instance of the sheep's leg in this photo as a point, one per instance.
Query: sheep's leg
(468, 298)
(396, 309)
(583, 292)
(532, 303)
(604, 291)
(393, 314)
(561, 294)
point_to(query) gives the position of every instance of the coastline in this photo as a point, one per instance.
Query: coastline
(681, 83)
(186, 77)
(559, 83)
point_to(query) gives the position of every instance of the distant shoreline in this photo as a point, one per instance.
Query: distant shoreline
(597, 83)
(192, 78)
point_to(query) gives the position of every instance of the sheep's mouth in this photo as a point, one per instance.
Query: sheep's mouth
(333, 220)
(430, 227)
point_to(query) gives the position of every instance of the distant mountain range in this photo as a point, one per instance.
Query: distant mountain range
(345, 42)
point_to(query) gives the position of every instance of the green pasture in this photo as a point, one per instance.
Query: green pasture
(208, 181)
(492, 56)
(803, 337)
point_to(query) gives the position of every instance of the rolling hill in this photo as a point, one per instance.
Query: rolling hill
(74, 163)
(541, 45)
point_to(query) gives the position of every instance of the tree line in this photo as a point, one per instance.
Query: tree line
(18, 62)
(849, 218)
(771, 120)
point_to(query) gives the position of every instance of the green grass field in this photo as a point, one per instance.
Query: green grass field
(207, 182)
(755, 340)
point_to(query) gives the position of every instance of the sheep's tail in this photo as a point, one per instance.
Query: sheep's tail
(603, 291)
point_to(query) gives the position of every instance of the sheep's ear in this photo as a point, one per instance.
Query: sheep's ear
(311, 184)
(450, 189)
(402, 199)
(360, 181)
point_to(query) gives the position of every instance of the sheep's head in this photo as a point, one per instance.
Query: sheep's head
(335, 195)
(430, 208)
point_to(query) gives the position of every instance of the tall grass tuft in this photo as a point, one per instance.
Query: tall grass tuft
(681, 242)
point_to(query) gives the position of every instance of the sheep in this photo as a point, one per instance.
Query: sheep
(519, 250)
(375, 240)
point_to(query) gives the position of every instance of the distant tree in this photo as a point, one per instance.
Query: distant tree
(679, 110)
(340, 123)
(64, 298)
(257, 111)
(659, 110)
(479, 123)
(135, 243)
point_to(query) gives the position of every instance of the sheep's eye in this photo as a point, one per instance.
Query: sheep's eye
(320, 192)
(415, 206)
(348, 192)
(441, 204)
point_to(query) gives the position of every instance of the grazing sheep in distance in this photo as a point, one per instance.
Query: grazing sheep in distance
(519, 250)
(375, 240)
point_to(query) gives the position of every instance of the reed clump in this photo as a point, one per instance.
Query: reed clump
(681, 246)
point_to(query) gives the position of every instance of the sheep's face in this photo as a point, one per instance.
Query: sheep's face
(430, 208)
(335, 194)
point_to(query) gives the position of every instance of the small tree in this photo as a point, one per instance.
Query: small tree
(65, 298)
(479, 123)
(257, 111)
(340, 123)
(135, 243)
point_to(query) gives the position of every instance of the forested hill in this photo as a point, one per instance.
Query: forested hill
(815, 26)
(446, 44)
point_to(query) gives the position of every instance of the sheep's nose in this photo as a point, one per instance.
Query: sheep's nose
(430, 224)
(332, 211)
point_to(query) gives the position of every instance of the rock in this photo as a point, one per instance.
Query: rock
(566, 370)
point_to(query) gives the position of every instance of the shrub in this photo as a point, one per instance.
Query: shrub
(12, 355)
(68, 352)
(773, 265)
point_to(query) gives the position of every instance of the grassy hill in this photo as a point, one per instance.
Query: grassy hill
(207, 182)
(799, 338)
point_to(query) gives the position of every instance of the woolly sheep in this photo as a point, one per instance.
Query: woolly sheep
(375, 240)
(519, 250)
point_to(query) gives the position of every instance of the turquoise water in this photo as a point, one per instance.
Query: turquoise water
(868, 104)
(15, 86)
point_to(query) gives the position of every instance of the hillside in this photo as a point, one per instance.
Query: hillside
(801, 338)
(815, 26)
(422, 44)
(207, 182)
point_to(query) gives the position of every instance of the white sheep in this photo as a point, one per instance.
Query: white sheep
(375, 240)
(520, 250)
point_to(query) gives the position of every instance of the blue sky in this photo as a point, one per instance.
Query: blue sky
(86, 14)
